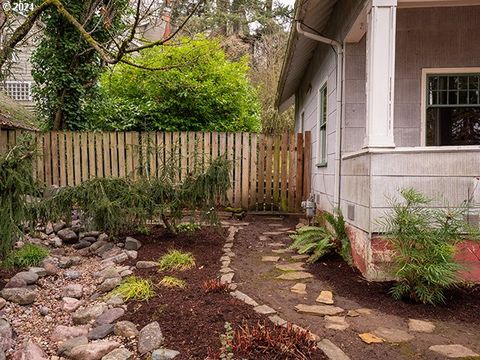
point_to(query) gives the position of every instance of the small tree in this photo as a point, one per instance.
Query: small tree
(198, 89)
(424, 242)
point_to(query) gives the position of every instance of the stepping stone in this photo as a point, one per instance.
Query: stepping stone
(227, 278)
(318, 309)
(453, 351)
(420, 326)
(325, 297)
(300, 257)
(364, 311)
(263, 238)
(225, 270)
(298, 266)
(276, 244)
(336, 323)
(393, 335)
(332, 350)
(284, 229)
(299, 288)
(277, 320)
(295, 275)
(264, 309)
(281, 251)
(270, 258)
(353, 313)
(275, 225)
(272, 233)
(370, 338)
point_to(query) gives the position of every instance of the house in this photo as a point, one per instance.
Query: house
(390, 90)
(13, 116)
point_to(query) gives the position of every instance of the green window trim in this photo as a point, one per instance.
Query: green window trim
(322, 126)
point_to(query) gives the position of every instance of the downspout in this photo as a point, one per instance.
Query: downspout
(339, 100)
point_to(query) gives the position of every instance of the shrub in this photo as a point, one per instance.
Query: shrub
(423, 240)
(176, 260)
(17, 186)
(214, 286)
(28, 255)
(134, 288)
(188, 227)
(318, 241)
(279, 342)
(171, 281)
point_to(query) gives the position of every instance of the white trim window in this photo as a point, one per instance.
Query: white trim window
(452, 108)
(322, 126)
(18, 90)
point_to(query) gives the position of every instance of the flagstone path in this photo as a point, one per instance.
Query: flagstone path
(267, 272)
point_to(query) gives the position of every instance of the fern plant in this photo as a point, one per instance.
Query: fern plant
(339, 230)
(424, 242)
(312, 240)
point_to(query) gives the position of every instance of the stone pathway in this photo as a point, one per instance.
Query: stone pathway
(332, 324)
(59, 311)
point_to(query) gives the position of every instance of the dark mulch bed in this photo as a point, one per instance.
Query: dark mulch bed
(462, 304)
(191, 320)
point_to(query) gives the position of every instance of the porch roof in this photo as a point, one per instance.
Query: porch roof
(315, 15)
(14, 116)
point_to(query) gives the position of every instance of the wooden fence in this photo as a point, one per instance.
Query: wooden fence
(269, 173)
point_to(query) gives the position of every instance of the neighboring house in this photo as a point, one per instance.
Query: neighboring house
(13, 116)
(391, 95)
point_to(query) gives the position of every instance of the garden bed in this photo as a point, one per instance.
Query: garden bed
(191, 320)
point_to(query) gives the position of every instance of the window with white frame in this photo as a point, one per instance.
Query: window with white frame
(453, 109)
(322, 126)
(18, 90)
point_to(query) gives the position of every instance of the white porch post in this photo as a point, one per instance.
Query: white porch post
(380, 73)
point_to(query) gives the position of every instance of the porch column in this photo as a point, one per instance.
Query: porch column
(380, 73)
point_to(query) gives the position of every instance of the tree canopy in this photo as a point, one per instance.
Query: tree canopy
(199, 88)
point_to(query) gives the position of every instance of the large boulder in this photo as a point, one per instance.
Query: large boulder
(68, 236)
(21, 296)
(132, 244)
(150, 338)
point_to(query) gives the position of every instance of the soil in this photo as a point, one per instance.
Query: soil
(457, 322)
(191, 320)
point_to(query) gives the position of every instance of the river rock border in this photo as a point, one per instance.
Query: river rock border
(227, 274)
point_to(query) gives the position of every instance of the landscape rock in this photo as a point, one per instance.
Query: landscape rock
(227, 278)
(43, 310)
(59, 226)
(146, 264)
(264, 309)
(66, 346)
(297, 266)
(71, 304)
(132, 254)
(15, 282)
(164, 354)
(93, 351)
(420, 326)
(21, 296)
(336, 323)
(318, 309)
(332, 350)
(3, 302)
(100, 331)
(106, 246)
(49, 228)
(117, 259)
(73, 291)
(65, 262)
(62, 333)
(82, 244)
(29, 351)
(40, 271)
(150, 338)
(89, 239)
(97, 245)
(370, 338)
(72, 274)
(132, 244)
(6, 333)
(125, 329)
(84, 316)
(109, 316)
(118, 354)
(102, 237)
(325, 297)
(453, 351)
(270, 258)
(244, 297)
(68, 236)
(393, 335)
(50, 269)
(29, 276)
(115, 301)
(109, 284)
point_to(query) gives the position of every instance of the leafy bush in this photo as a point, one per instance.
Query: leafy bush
(171, 281)
(318, 241)
(198, 89)
(28, 255)
(423, 240)
(176, 260)
(134, 288)
(17, 187)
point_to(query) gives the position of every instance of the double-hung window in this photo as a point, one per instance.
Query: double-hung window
(453, 109)
(322, 126)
